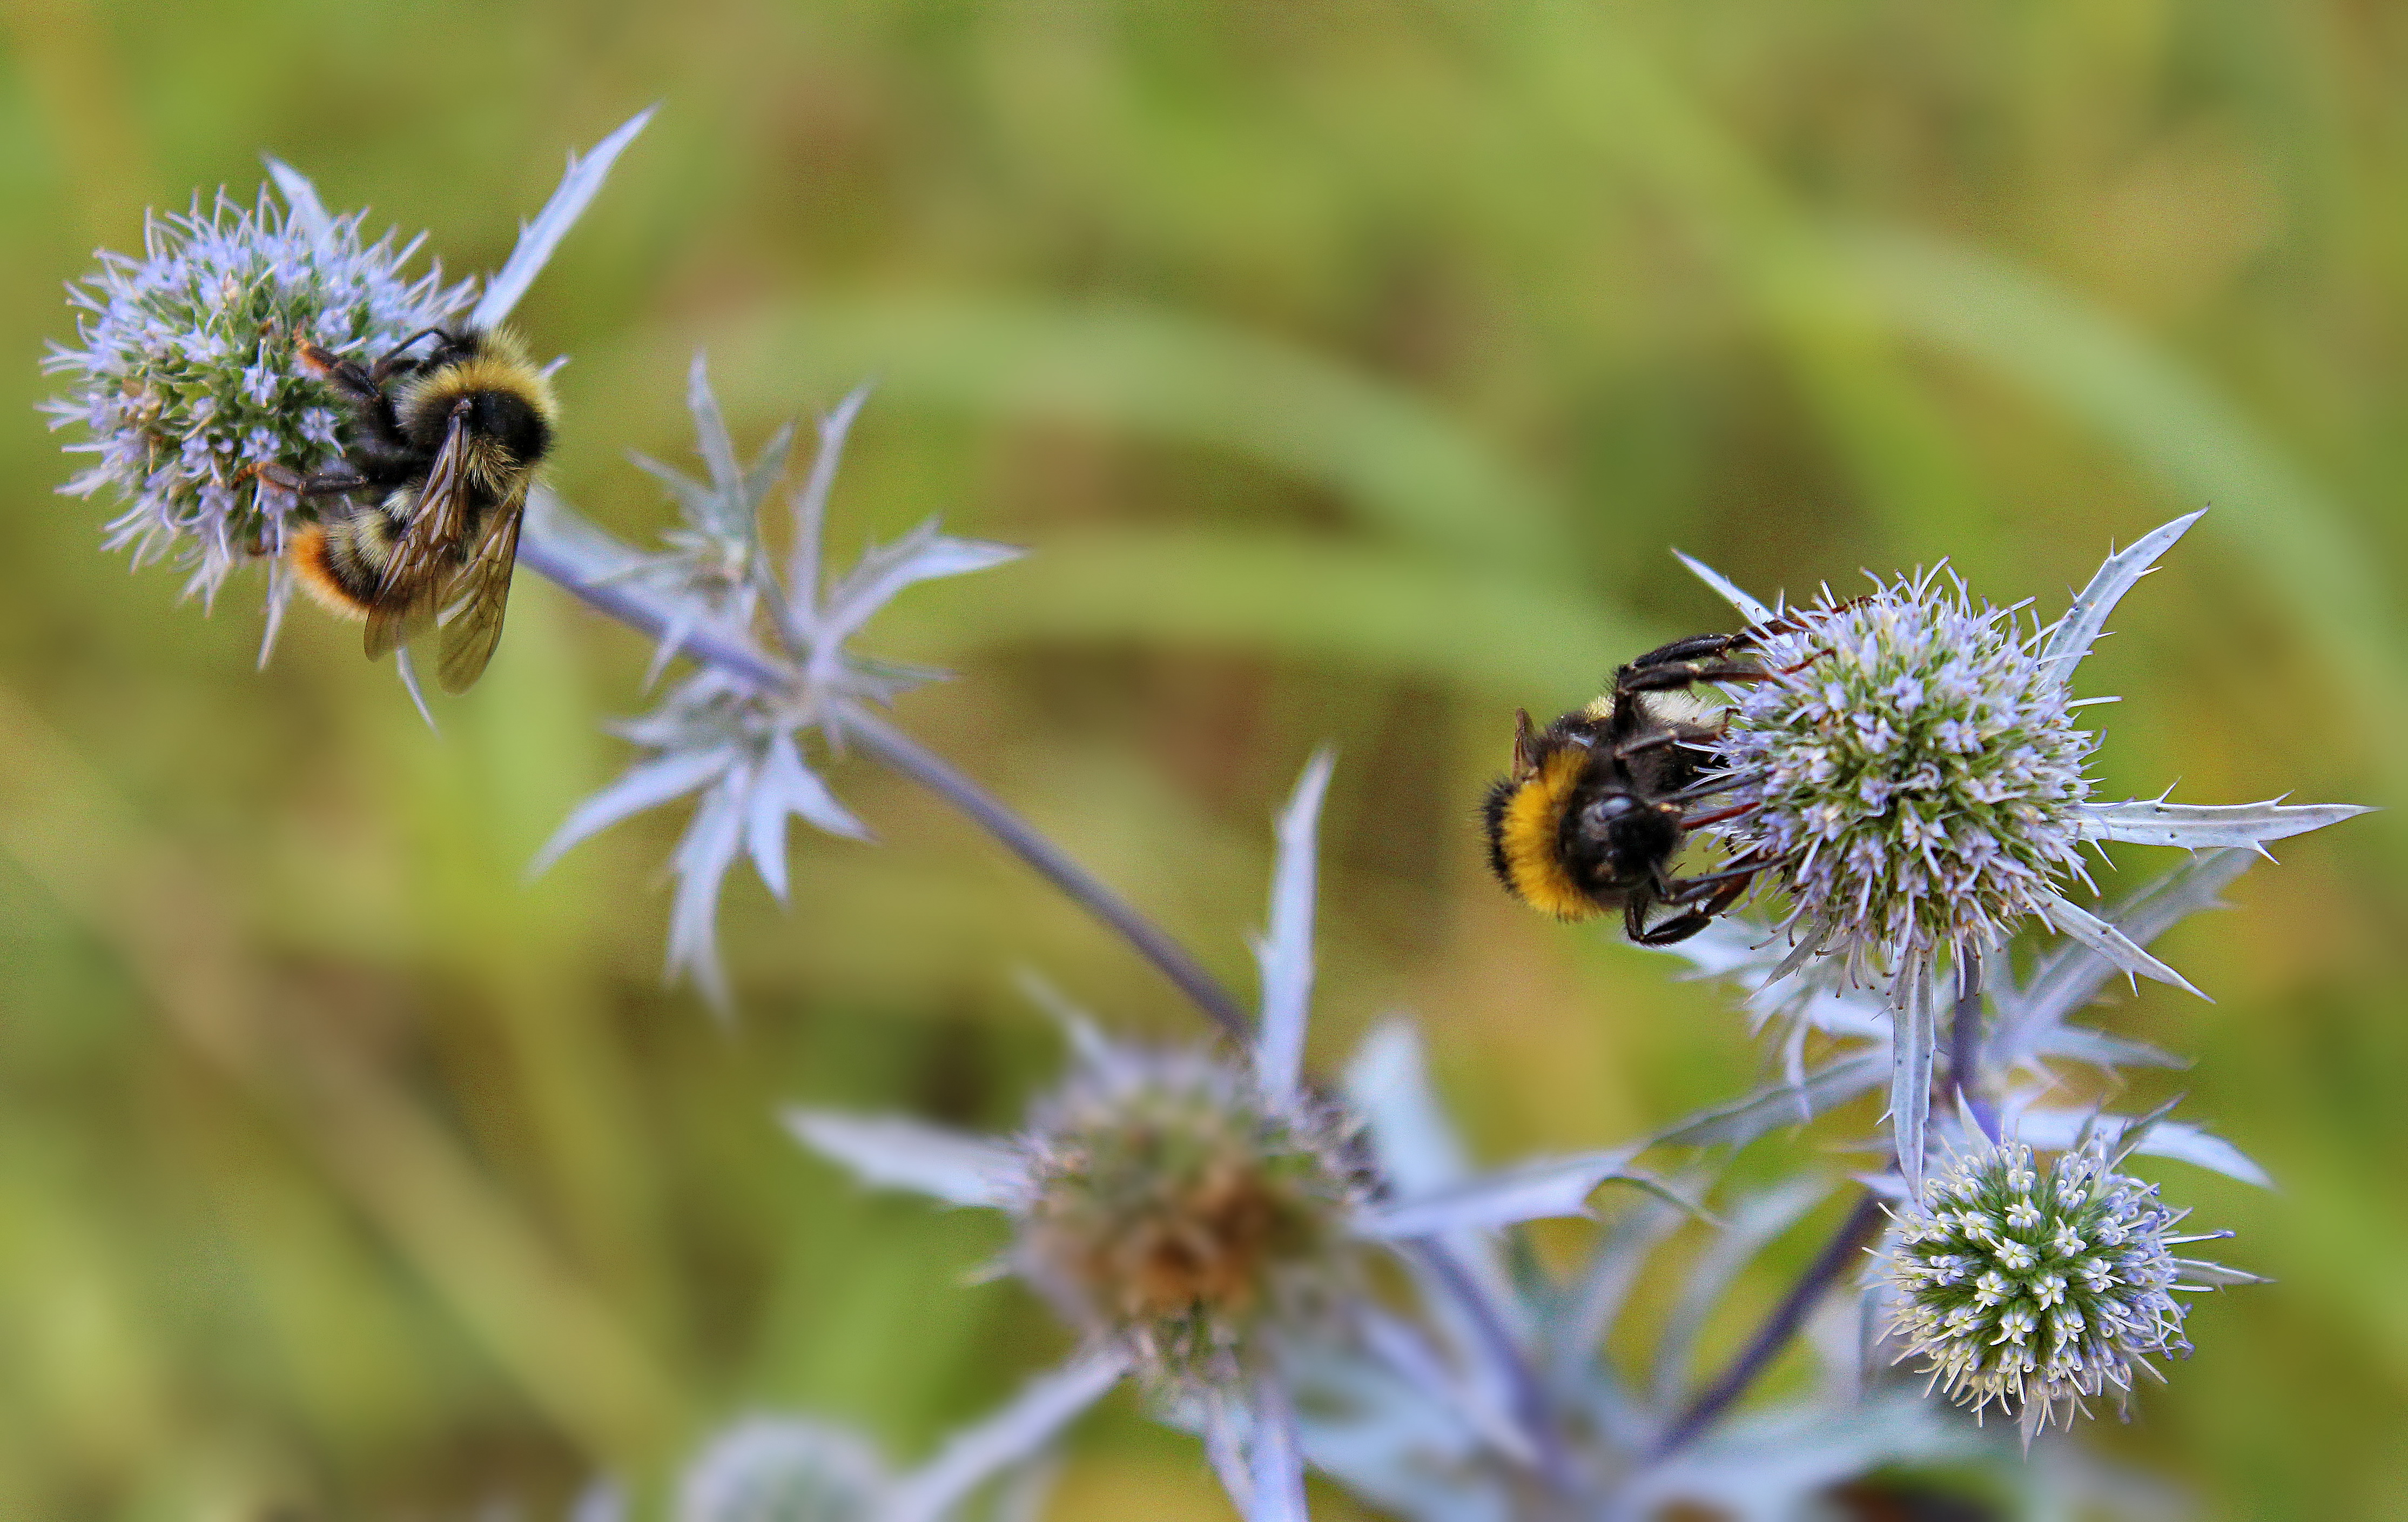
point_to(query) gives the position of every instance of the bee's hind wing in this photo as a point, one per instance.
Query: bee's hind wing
(411, 590)
(483, 588)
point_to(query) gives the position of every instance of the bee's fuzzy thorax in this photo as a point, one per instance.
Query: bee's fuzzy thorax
(1526, 821)
(497, 362)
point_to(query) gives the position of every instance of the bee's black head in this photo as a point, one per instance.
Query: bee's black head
(1616, 839)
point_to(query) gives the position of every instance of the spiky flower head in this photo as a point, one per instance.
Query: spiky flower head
(185, 379)
(1173, 1207)
(2036, 1289)
(1915, 769)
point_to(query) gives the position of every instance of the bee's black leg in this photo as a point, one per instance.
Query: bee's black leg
(320, 484)
(1694, 648)
(1706, 789)
(1672, 674)
(328, 483)
(345, 375)
(1789, 624)
(364, 389)
(1634, 918)
(1728, 884)
(1681, 927)
(1678, 929)
(392, 360)
(1718, 815)
(1655, 741)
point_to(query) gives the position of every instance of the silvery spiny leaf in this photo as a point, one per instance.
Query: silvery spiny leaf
(714, 561)
(2026, 1021)
(1753, 1224)
(801, 1469)
(2069, 976)
(923, 554)
(739, 748)
(737, 739)
(2056, 1128)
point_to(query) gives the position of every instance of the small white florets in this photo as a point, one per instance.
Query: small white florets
(1916, 772)
(1170, 1206)
(2034, 1290)
(186, 382)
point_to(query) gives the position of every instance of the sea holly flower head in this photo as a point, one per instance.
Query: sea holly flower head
(1918, 770)
(184, 378)
(1173, 1207)
(2035, 1288)
(1186, 1209)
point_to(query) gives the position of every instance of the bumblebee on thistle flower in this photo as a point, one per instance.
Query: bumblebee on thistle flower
(1905, 766)
(449, 446)
(252, 389)
(1596, 807)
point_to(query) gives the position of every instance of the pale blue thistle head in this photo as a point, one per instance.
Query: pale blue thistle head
(1916, 768)
(184, 379)
(2036, 1288)
(741, 742)
(1909, 772)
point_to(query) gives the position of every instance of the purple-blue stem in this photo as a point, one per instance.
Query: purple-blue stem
(898, 752)
(1533, 1407)
(1855, 1234)
(1965, 1051)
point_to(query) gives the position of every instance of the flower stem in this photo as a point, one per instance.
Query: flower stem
(629, 604)
(1854, 1235)
(1533, 1407)
(1965, 1050)
(900, 753)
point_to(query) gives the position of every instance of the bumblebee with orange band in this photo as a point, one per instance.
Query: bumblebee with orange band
(424, 509)
(1597, 803)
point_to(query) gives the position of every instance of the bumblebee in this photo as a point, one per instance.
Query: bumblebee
(448, 445)
(1596, 805)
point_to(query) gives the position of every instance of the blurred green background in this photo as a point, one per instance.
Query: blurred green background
(1351, 368)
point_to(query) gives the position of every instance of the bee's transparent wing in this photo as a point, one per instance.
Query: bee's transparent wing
(483, 588)
(412, 590)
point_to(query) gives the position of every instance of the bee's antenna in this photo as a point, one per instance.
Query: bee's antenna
(389, 354)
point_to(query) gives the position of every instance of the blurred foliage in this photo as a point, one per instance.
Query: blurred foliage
(1351, 366)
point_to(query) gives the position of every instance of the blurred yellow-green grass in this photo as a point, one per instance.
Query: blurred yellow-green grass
(1351, 368)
